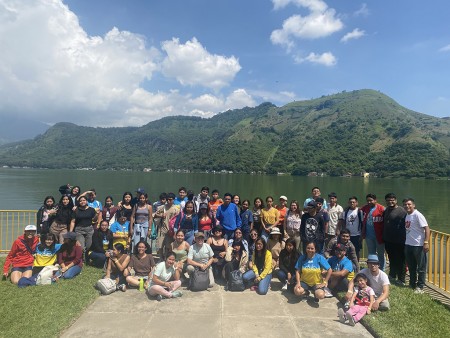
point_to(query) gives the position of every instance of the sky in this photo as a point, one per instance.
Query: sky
(126, 63)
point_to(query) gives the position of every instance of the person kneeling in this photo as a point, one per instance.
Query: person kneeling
(260, 272)
(165, 280)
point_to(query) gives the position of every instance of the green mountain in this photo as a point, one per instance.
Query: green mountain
(349, 132)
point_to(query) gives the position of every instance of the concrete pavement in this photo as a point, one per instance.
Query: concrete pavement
(212, 313)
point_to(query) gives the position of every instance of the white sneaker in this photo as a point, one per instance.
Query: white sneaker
(328, 293)
(285, 286)
(341, 315)
(351, 321)
(419, 291)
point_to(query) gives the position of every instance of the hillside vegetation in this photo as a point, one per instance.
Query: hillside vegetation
(348, 132)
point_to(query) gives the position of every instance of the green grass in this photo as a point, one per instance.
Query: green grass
(45, 311)
(410, 315)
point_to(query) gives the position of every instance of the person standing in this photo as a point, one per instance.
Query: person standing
(312, 227)
(202, 197)
(394, 237)
(315, 192)
(228, 216)
(416, 245)
(335, 212)
(352, 220)
(165, 213)
(373, 227)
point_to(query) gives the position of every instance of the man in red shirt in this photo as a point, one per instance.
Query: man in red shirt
(21, 255)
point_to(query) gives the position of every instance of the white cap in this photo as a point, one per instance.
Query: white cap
(283, 198)
(30, 228)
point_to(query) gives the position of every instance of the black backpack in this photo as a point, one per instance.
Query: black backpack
(199, 280)
(236, 282)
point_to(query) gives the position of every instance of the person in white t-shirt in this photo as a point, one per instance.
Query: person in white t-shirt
(351, 219)
(416, 245)
(378, 281)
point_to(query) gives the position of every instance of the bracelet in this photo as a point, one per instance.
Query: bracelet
(425, 242)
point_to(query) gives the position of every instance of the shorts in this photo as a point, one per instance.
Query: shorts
(307, 287)
(22, 268)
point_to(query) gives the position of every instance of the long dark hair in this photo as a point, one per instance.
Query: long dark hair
(42, 244)
(241, 248)
(49, 198)
(293, 255)
(68, 246)
(68, 206)
(124, 194)
(148, 249)
(260, 256)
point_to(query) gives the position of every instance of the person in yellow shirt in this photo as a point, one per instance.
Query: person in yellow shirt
(45, 252)
(260, 273)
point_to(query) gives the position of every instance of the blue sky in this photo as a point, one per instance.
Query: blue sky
(120, 63)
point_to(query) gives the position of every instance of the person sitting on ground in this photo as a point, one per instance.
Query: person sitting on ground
(117, 264)
(260, 273)
(343, 238)
(286, 263)
(140, 266)
(342, 269)
(102, 242)
(219, 246)
(46, 252)
(379, 282)
(120, 230)
(236, 258)
(361, 302)
(21, 255)
(275, 244)
(201, 256)
(180, 248)
(309, 274)
(70, 257)
(166, 279)
(238, 236)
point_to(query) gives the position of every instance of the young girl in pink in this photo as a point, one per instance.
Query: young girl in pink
(361, 302)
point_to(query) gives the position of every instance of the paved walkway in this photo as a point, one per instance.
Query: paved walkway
(212, 313)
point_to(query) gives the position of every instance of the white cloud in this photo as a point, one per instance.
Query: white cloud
(362, 11)
(354, 34)
(191, 64)
(445, 49)
(321, 22)
(326, 59)
(52, 70)
(279, 98)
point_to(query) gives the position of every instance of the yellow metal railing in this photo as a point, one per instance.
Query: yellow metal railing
(439, 260)
(12, 224)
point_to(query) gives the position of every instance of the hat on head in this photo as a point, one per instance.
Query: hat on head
(319, 200)
(332, 194)
(30, 227)
(140, 190)
(340, 246)
(373, 259)
(311, 204)
(199, 234)
(282, 197)
(203, 206)
(275, 231)
(70, 235)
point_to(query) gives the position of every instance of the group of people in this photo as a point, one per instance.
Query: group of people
(313, 247)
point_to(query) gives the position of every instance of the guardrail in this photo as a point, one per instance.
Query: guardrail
(12, 223)
(438, 272)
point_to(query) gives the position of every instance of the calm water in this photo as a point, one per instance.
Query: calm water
(27, 188)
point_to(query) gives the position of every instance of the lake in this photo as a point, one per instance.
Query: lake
(26, 188)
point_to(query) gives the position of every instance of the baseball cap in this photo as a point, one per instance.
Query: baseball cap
(282, 197)
(70, 235)
(30, 227)
(199, 234)
(311, 204)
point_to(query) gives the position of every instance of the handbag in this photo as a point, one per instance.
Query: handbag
(236, 282)
(106, 286)
(45, 277)
(199, 280)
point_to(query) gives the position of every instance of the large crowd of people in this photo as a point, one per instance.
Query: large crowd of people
(313, 248)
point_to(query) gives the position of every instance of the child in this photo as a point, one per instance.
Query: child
(361, 302)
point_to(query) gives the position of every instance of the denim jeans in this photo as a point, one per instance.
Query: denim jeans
(417, 265)
(282, 276)
(263, 285)
(98, 259)
(140, 232)
(70, 273)
(375, 248)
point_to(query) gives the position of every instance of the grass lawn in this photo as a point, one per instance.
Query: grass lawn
(410, 315)
(44, 311)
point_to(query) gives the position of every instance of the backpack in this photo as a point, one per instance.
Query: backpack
(172, 222)
(235, 282)
(106, 286)
(199, 280)
(45, 276)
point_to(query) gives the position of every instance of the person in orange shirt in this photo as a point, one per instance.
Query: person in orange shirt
(214, 203)
(282, 209)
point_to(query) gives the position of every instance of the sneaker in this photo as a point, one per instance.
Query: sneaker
(177, 294)
(351, 321)
(400, 283)
(285, 286)
(346, 305)
(254, 288)
(159, 298)
(316, 300)
(328, 293)
(122, 287)
(419, 291)
(341, 315)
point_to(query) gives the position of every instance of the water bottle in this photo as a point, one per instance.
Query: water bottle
(132, 272)
(141, 284)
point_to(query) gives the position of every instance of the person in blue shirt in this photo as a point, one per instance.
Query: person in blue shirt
(342, 269)
(246, 219)
(228, 216)
(181, 199)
